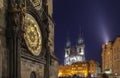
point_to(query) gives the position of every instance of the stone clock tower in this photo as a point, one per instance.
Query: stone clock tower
(27, 39)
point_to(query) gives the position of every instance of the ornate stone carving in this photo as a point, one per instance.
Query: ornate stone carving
(37, 4)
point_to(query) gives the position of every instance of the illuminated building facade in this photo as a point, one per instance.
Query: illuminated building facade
(94, 68)
(81, 69)
(116, 56)
(74, 54)
(107, 56)
(111, 57)
(75, 63)
(78, 68)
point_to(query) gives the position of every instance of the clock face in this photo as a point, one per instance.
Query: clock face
(32, 35)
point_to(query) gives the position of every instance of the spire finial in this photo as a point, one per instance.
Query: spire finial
(80, 31)
(80, 37)
(68, 43)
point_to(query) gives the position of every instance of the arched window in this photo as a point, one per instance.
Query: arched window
(33, 75)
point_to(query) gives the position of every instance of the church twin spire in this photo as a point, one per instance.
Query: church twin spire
(74, 54)
(79, 41)
(68, 43)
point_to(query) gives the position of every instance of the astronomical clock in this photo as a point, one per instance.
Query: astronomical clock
(32, 47)
(27, 39)
(32, 35)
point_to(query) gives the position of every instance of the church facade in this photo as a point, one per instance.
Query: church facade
(75, 64)
(27, 39)
(74, 54)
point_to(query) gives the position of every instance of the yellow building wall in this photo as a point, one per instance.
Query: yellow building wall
(111, 56)
(116, 56)
(74, 69)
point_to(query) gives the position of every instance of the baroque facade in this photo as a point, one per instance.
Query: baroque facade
(116, 56)
(82, 69)
(111, 57)
(94, 68)
(107, 61)
(27, 39)
(74, 54)
(78, 68)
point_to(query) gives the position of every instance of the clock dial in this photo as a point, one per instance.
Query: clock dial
(32, 35)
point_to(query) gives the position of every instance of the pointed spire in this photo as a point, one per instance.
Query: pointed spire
(80, 38)
(68, 43)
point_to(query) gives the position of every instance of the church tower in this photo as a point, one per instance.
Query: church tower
(80, 48)
(74, 53)
(67, 52)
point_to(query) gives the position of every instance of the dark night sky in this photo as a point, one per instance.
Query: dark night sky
(99, 20)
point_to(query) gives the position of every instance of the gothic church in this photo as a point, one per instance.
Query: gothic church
(74, 54)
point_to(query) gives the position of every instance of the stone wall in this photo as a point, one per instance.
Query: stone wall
(54, 69)
(50, 7)
(51, 26)
(3, 50)
(27, 67)
(51, 36)
(54, 62)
